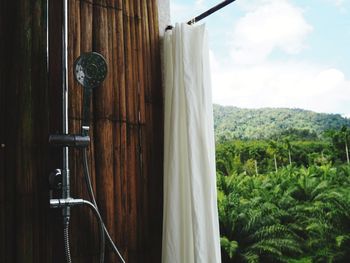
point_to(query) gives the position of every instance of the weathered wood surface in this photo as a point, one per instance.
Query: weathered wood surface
(125, 154)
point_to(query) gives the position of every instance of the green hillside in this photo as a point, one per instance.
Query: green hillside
(266, 123)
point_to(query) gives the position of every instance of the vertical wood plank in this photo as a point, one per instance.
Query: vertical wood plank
(120, 155)
(4, 72)
(82, 219)
(155, 131)
(86, 44)
(103, 112)
(55, 239)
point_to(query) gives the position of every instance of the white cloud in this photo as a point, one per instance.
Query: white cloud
(181, 12)
(250, 78)
(199, 2)
(342, 5)
(275, 84)
(337, 2)
(268, 25)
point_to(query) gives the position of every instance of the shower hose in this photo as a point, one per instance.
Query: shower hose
(95, 207)
(102, 237)
(66, 243)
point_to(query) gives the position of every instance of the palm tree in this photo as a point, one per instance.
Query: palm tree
(294, 215)
(225, 158)
(340, 139)
(250, 224)
(254, 153)
(286, 142)
(345, 132)
(272, 150)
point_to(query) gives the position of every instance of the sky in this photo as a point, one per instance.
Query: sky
(277, 53)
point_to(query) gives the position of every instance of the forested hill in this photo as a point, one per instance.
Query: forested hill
(266, 123)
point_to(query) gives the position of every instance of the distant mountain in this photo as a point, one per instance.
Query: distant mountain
(266, 123)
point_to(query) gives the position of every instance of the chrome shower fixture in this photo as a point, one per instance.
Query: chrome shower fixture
(90, 69)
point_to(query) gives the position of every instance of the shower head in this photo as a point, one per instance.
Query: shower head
(90, 69)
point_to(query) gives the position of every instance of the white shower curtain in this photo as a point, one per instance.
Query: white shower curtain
(190, 224)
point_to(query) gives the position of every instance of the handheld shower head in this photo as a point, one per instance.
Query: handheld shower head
(90, 69)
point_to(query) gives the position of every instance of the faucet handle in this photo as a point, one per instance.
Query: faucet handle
(55, 180)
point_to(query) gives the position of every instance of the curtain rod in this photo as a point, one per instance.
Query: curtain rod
(206, 13)
(210, 11)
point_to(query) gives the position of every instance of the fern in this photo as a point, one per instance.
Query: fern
(230, 247)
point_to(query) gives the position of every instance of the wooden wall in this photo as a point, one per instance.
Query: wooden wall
(125, 154)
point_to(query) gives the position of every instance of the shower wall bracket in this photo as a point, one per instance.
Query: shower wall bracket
(69, 140)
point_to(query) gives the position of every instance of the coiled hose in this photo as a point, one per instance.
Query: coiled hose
(92, 197)
(66, 243)
(102, 234)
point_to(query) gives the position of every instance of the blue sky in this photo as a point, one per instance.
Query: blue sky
(277, 53)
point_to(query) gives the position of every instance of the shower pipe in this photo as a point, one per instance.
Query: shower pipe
(65, 185)
(59, 179)
(66, 140)
(65, 130)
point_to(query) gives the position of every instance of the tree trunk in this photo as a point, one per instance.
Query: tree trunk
(274, 158)
(290, 157)
(346, 151)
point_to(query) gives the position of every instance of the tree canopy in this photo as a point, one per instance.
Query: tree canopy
(269, 123)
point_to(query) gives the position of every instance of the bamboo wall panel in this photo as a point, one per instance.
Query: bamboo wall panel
(3, 73)
(125, 153)
(27, 224)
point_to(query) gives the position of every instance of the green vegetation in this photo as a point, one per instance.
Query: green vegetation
(294, 215)
(267, 123)
(285, 197)
(268, 155)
